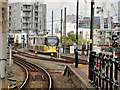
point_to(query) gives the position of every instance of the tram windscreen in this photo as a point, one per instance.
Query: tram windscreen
(52, 41)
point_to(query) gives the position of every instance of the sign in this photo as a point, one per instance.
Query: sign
(71, 49)
(114, 44)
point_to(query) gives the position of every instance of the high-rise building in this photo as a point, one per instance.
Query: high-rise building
(119, 12)
(25, 18)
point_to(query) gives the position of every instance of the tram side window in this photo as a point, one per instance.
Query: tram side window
(34, 40)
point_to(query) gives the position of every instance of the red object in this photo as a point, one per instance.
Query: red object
(113, 26)
(117, 54)
(82, 51)
(98, 63)
(97, 26)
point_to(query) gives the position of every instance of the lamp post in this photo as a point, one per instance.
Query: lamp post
(91, 41)
(76, 50)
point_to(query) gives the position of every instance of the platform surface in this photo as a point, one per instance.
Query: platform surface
(81, 73)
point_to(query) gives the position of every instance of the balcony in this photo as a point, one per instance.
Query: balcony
(36, 21)
(27, 15)
(27, 8)
(26, 27)
(36, 16)
(24, 21)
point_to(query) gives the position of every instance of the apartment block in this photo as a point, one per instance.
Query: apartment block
(26, 18)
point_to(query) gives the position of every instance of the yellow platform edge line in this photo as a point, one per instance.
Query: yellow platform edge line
(78, 64)
(77, 74)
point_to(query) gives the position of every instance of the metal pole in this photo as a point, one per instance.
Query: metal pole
(10, 55)
(64, 38)
(22, 38)
(3, 46)
(91, 36)
(61, 27)
(60, 44)
(57, 52)
(82, 35)
(76, 52)
(52, 22)
(27, 39)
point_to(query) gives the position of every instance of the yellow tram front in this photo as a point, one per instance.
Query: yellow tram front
(51, 44)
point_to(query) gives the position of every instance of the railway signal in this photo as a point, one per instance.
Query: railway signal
(10, 40)
(114, 38)
(114, 44)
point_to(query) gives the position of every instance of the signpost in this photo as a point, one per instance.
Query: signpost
(114, 44)
(10, 41)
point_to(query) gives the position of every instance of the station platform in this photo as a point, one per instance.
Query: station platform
(79, 76)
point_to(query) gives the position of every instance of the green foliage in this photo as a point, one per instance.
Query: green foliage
(118, 50)
(71, 38)
(16, 41)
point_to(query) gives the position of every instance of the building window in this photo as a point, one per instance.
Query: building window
(9, 18)
(40, 26)
(36, 25)
(40, 9)
(9, 24)
(9, 7)
(9, 13)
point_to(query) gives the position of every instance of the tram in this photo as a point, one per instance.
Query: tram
(44, 44)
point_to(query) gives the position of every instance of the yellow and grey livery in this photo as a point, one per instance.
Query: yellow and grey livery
(44, 44)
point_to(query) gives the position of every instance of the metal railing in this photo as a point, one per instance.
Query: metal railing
(103, 71)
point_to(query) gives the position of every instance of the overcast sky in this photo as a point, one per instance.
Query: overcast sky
(57, 5)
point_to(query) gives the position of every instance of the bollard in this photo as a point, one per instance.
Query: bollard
(107, 65)
(111, 72)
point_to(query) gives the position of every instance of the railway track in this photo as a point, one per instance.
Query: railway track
(68, 60)
(36, 76)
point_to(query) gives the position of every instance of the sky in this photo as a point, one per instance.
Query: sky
(110, 6)
(84, 8)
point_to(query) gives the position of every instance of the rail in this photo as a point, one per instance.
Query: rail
(27, 75)
(32, 64)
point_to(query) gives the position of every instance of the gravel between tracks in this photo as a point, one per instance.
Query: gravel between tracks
(56, 70)
(15, 75)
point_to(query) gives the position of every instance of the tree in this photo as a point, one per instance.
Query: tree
(71, 38)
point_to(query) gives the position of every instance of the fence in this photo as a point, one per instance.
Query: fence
(102, 74)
